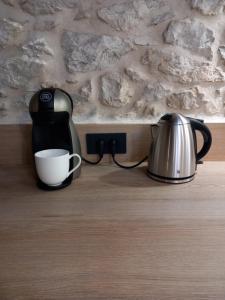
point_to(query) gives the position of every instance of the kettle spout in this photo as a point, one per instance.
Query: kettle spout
(154, 131)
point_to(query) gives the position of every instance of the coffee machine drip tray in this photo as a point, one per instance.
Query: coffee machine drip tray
(46, 187)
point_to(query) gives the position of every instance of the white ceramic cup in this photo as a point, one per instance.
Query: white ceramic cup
(52, 165)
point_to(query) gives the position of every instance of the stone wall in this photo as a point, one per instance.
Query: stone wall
(121, 60)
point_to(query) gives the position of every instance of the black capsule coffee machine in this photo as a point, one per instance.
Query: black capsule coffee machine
(51, 112)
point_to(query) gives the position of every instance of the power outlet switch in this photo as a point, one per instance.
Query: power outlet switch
(93, 142)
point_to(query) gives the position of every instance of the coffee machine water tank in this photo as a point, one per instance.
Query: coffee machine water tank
(51, 112)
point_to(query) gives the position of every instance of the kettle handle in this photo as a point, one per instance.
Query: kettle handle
(207, 137)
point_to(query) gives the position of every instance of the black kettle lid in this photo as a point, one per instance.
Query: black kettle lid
(174, 119)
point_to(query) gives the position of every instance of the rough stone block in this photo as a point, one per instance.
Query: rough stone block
(115, 90)
(208, 7)
(90, 52)
(9, 31)
(180, 68)
(190, 34)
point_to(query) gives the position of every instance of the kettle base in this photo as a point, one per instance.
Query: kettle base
(170, 180)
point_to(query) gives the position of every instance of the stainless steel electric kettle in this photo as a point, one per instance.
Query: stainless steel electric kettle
(173, 154)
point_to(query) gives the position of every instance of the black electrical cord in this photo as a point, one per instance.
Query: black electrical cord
(113, 148)
(93, 162)
(101, 154)
(128, 167)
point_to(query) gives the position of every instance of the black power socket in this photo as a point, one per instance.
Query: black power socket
(94, 140)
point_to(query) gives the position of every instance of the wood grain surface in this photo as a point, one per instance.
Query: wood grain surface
(113, 234)
(16, 142)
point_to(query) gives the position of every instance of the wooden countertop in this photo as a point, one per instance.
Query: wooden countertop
(113, 234)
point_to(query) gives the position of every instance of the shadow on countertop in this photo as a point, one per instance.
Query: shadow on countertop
(131, 178)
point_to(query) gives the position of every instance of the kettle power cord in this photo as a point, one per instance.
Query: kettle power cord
(113, 147)
(113, 154)
(101, 154)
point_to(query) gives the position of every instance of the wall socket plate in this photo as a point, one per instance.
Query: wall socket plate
(93, 142)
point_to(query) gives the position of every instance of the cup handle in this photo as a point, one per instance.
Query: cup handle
(77, 166)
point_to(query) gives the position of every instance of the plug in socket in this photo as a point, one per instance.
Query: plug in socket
(93, 142)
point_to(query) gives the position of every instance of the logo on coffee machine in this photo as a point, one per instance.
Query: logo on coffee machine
(46, 97)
